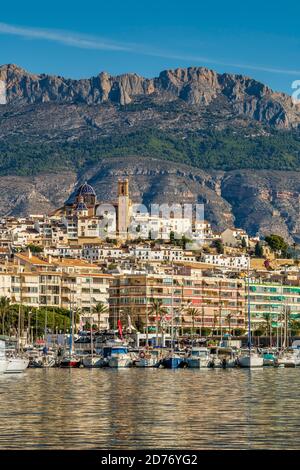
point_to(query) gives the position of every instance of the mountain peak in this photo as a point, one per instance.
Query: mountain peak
(195, 86)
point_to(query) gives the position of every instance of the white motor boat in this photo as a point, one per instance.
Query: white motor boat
(198, 358)
(227, 357)
(12, 364)
(250, 359)
(3, 365)
(3, 359)
(119, 357)
(289, 358)
(116, 355)
(148, 359)
(16, 364)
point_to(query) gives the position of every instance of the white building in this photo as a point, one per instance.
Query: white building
(238, 262)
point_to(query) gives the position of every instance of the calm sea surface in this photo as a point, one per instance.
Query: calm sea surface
(136, 408)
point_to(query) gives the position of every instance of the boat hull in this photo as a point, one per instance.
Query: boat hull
(43, 363)
(92, 362)
(197, 363)
(119, 362)
(69, 363)
(16, 365)
(3, 365)
(251, 361)
(147, 362)
(172, 362)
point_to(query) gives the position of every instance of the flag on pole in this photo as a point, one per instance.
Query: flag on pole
(120, 329)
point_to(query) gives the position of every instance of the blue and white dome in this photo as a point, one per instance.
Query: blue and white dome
(81, 207)
(86, 189)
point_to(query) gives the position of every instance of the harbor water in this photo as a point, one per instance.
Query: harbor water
(150, 408)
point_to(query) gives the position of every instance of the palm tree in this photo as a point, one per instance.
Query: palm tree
(4, 305)
(294, 326)
(101, 308)
(215, 322)
(267, 316)
(193, 312)
(158, 310)
(228, 320)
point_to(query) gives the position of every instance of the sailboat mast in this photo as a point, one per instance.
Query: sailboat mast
(249, 310)
(71, 323)
(147, 332)
(172, 310)
(19, 312)
(91, 319)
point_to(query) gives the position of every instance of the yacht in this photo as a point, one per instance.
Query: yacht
(148, 359)
(289, 358)
(198, 357)
(115, 354)
(3, 359)
(12, 362)
(250, 359)
(172, 361)
(269, 357)
(44, 361)
(226, 357)
(70, 361)
(92, 361)
(16, 364)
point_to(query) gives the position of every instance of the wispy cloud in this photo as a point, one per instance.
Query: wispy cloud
(208, 60)
(63, 37)
(96, 43)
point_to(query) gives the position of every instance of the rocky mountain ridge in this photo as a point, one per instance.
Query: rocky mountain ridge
(196, 86)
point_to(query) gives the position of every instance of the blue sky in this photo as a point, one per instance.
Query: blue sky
(258, 38)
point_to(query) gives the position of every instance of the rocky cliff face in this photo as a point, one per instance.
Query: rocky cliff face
(197, 86)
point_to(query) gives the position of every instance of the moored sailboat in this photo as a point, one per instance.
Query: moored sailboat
(250, 358)
(70, 360)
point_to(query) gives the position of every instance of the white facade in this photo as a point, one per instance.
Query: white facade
(238, 262)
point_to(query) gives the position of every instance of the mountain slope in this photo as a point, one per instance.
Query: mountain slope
(189, 134)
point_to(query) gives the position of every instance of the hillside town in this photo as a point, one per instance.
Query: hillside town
(86, 254)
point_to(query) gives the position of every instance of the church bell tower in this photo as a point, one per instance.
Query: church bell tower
(123, 208)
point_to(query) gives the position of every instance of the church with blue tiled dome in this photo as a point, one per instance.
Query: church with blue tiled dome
(87, 213)
(86, 199)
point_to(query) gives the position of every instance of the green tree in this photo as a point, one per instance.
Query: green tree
(158, 311)
(100, 309)
(172, 238)
(267, 316)
(193, 312)
(219, 246)
(277, 243)
(228, 319)
(35, 248)
(258, 250)
(4, 307)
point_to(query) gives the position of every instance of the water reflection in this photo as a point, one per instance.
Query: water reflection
(135, 408)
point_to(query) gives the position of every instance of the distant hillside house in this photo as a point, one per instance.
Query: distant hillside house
(234, 237)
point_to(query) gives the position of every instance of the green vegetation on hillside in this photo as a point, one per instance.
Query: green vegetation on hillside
(222, 150)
